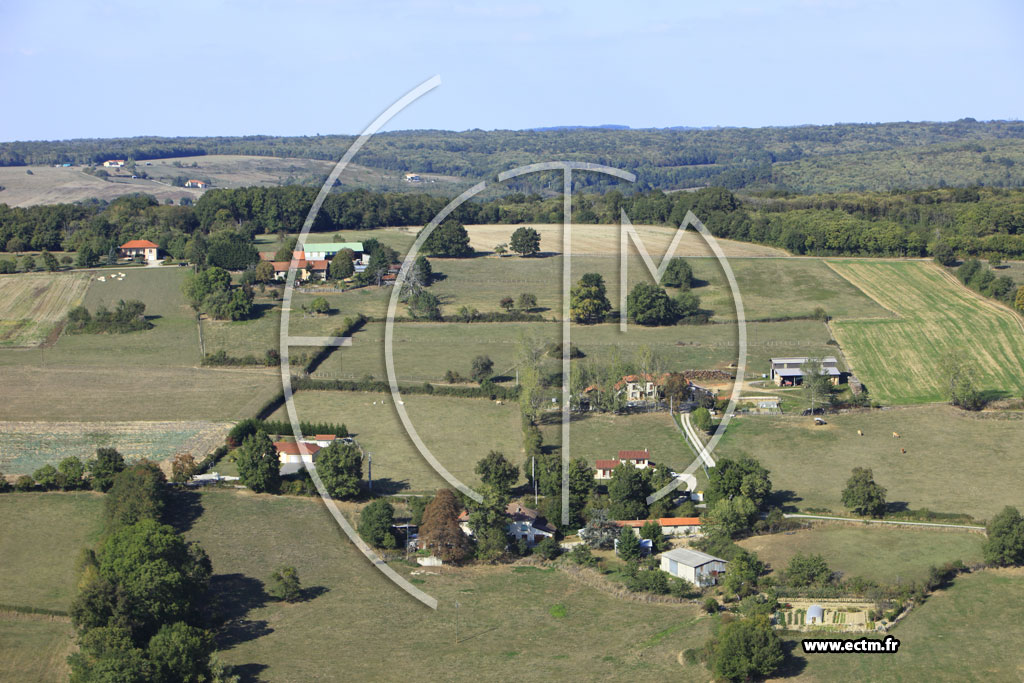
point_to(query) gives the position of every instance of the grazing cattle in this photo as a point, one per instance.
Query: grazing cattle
(860, 433)
(903, 451)
(895, 435)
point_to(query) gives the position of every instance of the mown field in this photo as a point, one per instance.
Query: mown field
(459, 432)
(35, 649)
(955, 461)
(32, 304)
(26, 446)
(880, 553)
(149, 375)
(900, 360)
(966, 633)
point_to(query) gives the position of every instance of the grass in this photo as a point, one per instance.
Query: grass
(35, 649)
(901, 360)
(977, 615)
(955, 461)
(32, 304)
(40, 539)
(459, 432)
(876, 552)
(25, 446)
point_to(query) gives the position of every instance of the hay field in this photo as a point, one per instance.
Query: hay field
(900, 360)
(32, 304)
(26, 446)
(604, 239)
(49, 185)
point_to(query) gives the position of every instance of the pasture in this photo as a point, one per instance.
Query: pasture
(33, 304)
(960, 634)
(900, 360)
(49, 185)
(35, 649)
(885, 554)
(955, 461)
(458, 431)
(26, 446)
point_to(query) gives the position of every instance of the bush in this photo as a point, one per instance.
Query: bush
(284, 584)
(710, 605)
(548, 548)
(582, 555)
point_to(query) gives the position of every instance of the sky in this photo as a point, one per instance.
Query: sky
(75, 68)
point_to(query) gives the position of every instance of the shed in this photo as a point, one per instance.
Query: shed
(815, 615)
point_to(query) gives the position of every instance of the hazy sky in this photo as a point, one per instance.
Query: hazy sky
(301, 67)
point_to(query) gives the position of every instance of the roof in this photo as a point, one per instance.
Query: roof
(332, 246)
(647, 377)
(300, 264)
(679, 521)
(635, 523)
(518, 513)
(139, 244)
(606, 464)
(815, 611)
(325, 437)
(635, 455)
(292, 448)
(691, 558)
(804, 359)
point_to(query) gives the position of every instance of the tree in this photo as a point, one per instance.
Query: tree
(678, 273)
(198, 286)
(180, 653)
(319, 306)
(183, 468)
(49, 261)
(264, 271)
(627, 492)
(375, 521)
(232, 250)
(746, 648)
(84, 258)
(508, 303)
(807, 570)
(653, 532)
(483, 367)
(1004, 546)
(71, 473)
(702, 420)
(287, 248)
(342, 265)
(285, 585)
(628, 547)
(686, 304)
(501, 249)
(498, 473)
(525, 241)
(739, 476)
(817, 386)
(449, 239)
(424, 305)
(489, 525)
(741, 576)
(107, 653)
(107, 464)
(46, 477)
(548, 548)
(599, 532)
(649, 304)
(340, 467)
(422, 273)
(588, 299)
(1018, 300)
(962, 383)
(137, 494)
(944, 254)
(259, 465)
(28, 263)
(730, 517)
(439, 530)
(526, 302)
(862, 495)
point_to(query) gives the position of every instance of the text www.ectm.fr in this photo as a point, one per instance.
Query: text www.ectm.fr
(889, 644)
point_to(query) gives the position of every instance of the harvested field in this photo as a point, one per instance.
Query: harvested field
(26, 446)
(900, 360)
(32, 304)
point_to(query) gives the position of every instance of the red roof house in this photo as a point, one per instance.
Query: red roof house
(144, 248)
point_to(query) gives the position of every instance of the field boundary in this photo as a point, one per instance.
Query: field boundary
(966, 527)
(895, 315)
(989, 303)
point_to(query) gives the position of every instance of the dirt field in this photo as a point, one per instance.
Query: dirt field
(25, 446)
(49, 185)
(604, 239)
(900, 360)
(31, 304)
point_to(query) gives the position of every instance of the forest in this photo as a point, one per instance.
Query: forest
(802, 158)
(960, 222)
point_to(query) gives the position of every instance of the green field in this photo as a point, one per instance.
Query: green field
(26, 446)
(33, 304)
(458, 431)
(900, 360)
(880, 553)
(955, 461)
(965, 633)
(35, 649)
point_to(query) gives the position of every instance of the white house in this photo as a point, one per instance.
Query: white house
(638, 459)
(114, 163)
(698, 568)
(523, 523)
(200, 184)
(328, 250)
(291, 457)
(670, 526)
(144, 248)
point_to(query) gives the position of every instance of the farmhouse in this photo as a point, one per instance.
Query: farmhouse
(523, 523)
(670, 526)
(645, 387)
(305, 269)
(114, 163)
(291, 457)
(788, 372)
(200, 184)
(143, 248)
(638, 459)
(328, 250)
(698, 568)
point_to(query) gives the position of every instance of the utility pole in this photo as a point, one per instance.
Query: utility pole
(456, 622)
(369, 470)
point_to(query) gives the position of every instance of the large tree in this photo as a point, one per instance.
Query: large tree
(107, 464)
(439, 530)
(497, 472)
(806, 570)
(678, 273)
(745, 649)
(649, 304)
(862, 495)
(525, 241)
(739, 476)
(136, 494)
(588, 299)
(340, 467)
(342, 265)
(259, 465)
(1005, 544)
(375, 521)
(730, 518)
(449, 239)
(627, 492)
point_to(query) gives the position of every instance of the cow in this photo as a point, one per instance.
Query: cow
(860, 433)
(903, 451)
(895, 435)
